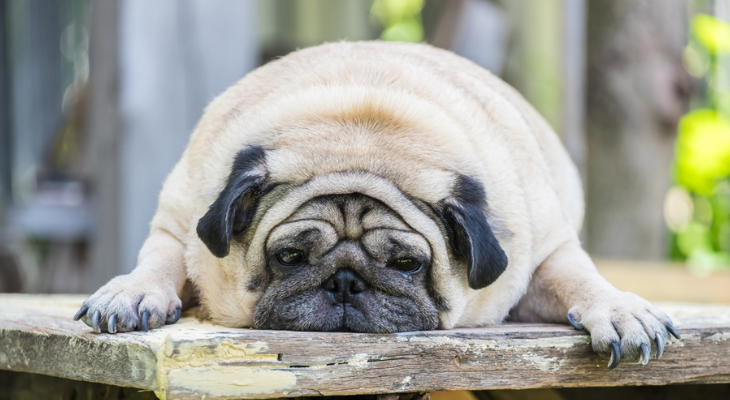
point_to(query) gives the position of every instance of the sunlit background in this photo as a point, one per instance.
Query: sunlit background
(697, 208)
(98, 98)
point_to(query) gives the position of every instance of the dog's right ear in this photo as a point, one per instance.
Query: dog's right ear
(232, 213)
(470, 234)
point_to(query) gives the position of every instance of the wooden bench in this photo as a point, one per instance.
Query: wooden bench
(193, 359)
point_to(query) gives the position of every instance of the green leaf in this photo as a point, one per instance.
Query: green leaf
(407, 30)
(702, 150)
(712, 33)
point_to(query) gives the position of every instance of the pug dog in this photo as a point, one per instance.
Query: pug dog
(374, 187)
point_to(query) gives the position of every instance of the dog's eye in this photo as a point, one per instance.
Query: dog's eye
(290, 257)
(406, 265)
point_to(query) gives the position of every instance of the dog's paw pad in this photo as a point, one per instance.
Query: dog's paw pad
(126, 304)
(624, 326)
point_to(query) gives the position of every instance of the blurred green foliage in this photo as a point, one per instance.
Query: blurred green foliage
(712, 33)
(703, 150)
(401, 19)
(702, 153)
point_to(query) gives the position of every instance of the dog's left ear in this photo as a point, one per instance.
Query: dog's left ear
(471, 236)
(232, 213)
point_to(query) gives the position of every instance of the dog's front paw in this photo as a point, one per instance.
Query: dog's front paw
(130, 302)
(623, 325)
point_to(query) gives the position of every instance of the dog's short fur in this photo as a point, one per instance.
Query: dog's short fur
(374, 187)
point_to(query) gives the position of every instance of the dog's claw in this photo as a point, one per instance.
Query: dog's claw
(571, 321)
(673, 331)
(146, 321)
(81, 312)
(659, 346)
(95, 321)
(111, 326)
(176, 316)
(644, 358)
(615, 356)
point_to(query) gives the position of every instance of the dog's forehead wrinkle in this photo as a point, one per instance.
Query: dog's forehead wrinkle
(351, 215)
(315, 237)
(380, 233)
(387, 243)
(321, 209)
(346, 253)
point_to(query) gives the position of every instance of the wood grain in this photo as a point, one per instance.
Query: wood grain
(192, 359)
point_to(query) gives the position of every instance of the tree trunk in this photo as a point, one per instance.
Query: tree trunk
(637, 91)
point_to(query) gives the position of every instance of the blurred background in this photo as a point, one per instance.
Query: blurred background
(98, 98)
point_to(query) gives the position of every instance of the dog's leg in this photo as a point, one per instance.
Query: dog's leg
(148, 297)
(566, 287)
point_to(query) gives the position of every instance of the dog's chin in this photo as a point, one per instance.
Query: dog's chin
(371, 313)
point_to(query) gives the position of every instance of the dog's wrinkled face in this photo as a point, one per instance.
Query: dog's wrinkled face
(346, 263)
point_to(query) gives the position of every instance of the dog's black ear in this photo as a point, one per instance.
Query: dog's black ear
(471, 236)
(232, 213)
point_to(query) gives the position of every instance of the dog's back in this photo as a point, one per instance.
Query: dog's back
(390, 76)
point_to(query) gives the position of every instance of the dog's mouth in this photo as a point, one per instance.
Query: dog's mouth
(346, 318)
(371, 311)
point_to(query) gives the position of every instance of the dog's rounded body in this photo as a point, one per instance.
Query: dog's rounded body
(418, 130)
(414, 115)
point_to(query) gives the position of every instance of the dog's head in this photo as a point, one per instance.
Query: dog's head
(347, 261)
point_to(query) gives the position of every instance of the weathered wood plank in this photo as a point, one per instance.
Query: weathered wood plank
(193, 359)
(36, 335)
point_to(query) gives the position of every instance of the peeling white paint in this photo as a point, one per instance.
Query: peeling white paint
(719, 337)
(405, 383)
(199, 353)
(359, 359)
(479, 346)
(544, 363)
(229, 381)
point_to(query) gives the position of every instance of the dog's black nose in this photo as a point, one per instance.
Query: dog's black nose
(344, 287)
